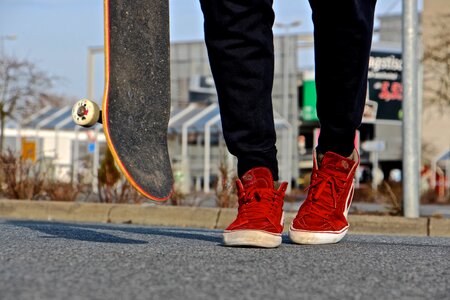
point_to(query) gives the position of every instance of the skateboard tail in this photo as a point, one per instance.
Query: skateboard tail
(105, 114)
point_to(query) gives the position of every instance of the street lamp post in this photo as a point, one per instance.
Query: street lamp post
(92, 51)
(4, 38)
(286, 64)
(289, 108)
(411, 111)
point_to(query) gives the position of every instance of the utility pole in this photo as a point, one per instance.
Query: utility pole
(411, 111)
(92, 51)
(289, 107)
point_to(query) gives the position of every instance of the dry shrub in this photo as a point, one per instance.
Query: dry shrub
(430, 196)
(393, 193)
(112, 187)
(364, 194)
(388, 194)
(28, 180)
(21, 179)
(226, 192)
(178, 198)
(119, 192)
(63, 191)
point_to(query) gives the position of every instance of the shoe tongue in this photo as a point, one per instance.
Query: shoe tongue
(335, 162)
(257, 177)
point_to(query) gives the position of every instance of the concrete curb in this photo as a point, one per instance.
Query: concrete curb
(199, 217)
(164, 216)
(388, 225)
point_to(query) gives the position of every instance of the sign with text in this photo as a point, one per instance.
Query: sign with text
(385, 84)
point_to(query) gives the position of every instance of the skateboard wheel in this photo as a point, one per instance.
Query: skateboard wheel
(85, 113)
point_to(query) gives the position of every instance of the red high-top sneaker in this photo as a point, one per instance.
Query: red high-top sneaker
(322, 218)
(259, 221)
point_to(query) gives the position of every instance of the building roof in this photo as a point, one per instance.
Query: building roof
(194, 117)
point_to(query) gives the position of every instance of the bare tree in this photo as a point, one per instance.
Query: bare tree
(436, 60)
(24, 89)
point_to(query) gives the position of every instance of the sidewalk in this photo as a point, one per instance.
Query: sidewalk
(200, 217)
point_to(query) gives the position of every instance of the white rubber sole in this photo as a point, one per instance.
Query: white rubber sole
(316, 238)
(253, 238)
(319, 237)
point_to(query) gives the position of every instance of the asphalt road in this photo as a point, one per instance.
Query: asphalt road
(41, 260)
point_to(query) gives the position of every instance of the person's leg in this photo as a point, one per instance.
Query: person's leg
(342, 38)
(239, 40)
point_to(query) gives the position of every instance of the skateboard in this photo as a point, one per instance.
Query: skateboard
(136, 102)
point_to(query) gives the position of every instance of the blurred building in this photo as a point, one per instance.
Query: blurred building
(195, 138)
(73, 154)
(436, 78)
(436, 94)
(434, 39)
(189, 61)
(191, 82)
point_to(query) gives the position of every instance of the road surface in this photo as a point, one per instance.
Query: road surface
(44, 260)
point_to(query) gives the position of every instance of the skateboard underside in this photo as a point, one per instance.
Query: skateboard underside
(136, 105)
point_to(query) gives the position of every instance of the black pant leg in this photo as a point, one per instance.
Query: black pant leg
(342, 37)
(239, 39)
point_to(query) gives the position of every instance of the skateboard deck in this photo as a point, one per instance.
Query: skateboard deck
(136, 102)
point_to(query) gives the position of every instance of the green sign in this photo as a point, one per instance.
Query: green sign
(309, 112)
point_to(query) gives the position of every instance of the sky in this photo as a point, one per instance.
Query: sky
(56, 34)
